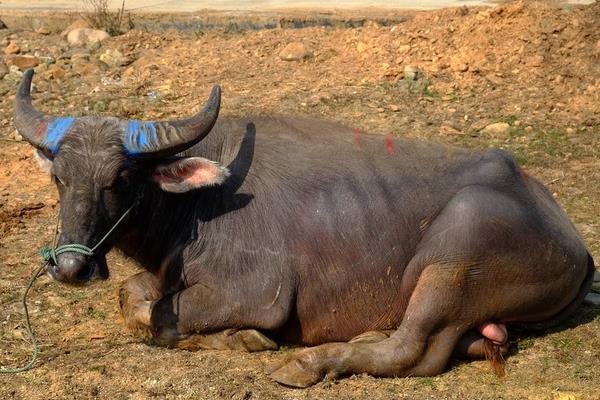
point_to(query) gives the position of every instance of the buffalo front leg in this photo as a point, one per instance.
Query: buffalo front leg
(136, 297)
(140, 294)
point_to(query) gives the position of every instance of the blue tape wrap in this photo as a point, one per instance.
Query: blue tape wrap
(140, 137)
(56, 130)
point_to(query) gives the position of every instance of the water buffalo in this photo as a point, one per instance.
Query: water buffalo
(387, 255)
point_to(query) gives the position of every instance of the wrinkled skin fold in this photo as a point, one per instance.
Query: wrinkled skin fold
(273, 229)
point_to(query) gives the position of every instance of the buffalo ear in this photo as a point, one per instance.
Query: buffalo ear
(43, 162)
(189, 173)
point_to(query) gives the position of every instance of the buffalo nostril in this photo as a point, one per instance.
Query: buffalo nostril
(72, 267)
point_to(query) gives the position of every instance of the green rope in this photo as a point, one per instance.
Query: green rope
(49, 255)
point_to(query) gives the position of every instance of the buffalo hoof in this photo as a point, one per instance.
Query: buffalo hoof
(230, 339)
(136, 314)
(137, 296)
(297, 373)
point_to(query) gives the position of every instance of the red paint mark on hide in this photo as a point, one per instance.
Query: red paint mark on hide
(389, 145)
(41, 130)
(356, 139)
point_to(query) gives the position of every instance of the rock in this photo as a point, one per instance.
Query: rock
(23, 62)
(93, 46)
(394, 107)
(46, 59)
(15, 71)
(496, 129)
(80, 57)
(565, 396)
(3, 25)
(482, 15)
(3, 70)
(55, 72)
(114, 58)
(447, 129)
(458, 65)
(43, 30)
(12, 48)
(294, 51)
(536, 61)
(41, 69)
(361, 47)
(82, 37)
(405, 48)
(85, 68)
(592, 299)
(77, 24)
(411, 73)
(17, 136)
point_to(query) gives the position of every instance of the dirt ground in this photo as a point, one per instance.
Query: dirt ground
(535, 67)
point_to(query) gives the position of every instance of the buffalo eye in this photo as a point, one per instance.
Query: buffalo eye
(121, 182)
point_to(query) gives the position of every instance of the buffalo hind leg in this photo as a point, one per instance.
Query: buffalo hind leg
(137, 296)
(421, 346)
(464, 279)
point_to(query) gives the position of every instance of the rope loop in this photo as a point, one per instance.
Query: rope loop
(49, 254)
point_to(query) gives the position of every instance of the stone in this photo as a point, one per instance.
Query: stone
(46, 59)
(592, 299)
(55, 72)
(405, 48)
(114, 58)
(93, 46)
(15, 71)
(77, 24)
(3, 70)
(458, 65)
(3, 26)
(23, 62)
(536, 61)
(80, 57)
(411, 73)
(12, 48)
(82, 37)
(361, 47)
(85, 68)
(482, 15)
(41, 69)
(496, 129)
(294, 51)
(43, 30)
(448, 129)
(17, 136)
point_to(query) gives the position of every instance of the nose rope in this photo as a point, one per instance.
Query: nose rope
(49, 255)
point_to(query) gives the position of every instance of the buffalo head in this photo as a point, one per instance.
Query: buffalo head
(99, 165)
